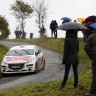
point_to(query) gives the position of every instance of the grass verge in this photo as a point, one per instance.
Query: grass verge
(51, 88)
(3, 51)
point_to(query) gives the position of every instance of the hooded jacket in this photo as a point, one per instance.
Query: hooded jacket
(90, 46)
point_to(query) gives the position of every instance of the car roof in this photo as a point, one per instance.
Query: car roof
(23, 47)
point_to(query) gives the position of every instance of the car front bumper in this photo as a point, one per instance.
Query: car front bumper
(16, 68)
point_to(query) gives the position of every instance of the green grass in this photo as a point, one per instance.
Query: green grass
(2, 52)
(51, 88)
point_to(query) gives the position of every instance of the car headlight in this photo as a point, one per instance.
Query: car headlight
(29, 61)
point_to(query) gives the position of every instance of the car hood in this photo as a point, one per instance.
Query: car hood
(15, 59)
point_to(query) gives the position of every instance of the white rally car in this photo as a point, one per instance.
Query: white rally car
(22, 59)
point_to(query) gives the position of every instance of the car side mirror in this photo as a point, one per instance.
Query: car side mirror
(36, 53)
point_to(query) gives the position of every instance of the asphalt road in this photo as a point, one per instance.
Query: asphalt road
(53, 70)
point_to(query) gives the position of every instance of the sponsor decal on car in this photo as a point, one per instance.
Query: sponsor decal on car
(8, 58)
(17, 58)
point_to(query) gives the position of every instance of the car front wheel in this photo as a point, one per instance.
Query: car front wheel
(44, 63)
(36, 68)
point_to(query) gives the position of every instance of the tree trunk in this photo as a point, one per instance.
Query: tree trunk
(23, 34)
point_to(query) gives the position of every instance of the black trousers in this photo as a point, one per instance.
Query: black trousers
(93, 85)
(67, 69)
(54, 32)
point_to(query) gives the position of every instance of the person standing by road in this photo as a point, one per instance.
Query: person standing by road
(70, 56)
(90, 48)
(53, 27)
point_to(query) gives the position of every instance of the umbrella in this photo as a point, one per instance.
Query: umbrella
(65, 19)
(80, 20)
(93, 25)
(72, 25)
(90, 19)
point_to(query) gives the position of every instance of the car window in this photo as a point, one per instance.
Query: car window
(20, 52)
(37, 50)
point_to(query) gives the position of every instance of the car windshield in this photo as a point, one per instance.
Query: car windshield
(20, 52)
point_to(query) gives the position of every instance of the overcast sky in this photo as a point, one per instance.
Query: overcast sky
(57, 9)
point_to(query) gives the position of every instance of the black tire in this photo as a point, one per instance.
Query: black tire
(3, 75)
(36, 68)
(44, 63)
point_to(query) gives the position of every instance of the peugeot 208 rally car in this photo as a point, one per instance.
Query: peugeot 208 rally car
(22, 59)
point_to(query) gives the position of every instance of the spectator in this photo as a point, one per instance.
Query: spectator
(53, 27)
(70, 57)
(90, 48)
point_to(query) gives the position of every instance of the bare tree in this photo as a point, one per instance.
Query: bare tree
(41, 10)
(22, 11)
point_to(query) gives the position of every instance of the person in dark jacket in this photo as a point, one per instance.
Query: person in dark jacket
(70, 56)
(90, 48)
(53, 27)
